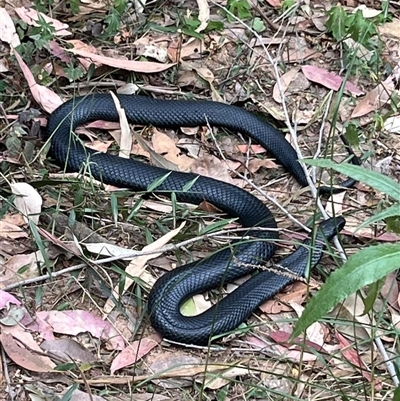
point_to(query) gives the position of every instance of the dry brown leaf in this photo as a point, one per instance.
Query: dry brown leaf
(146, 67)
(211, 166)
(31, 16)
(30, 262)
(390, 29)
(8, 33)
(204, 14)
(285, 79)
(9, 230)
(374, 99)
(136, 267)
(15, 343)
(45, 97)
(99, 146)
(134, 352)
(166, 147)
(255, 164)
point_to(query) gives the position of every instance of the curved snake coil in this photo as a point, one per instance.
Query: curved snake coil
(176, 286)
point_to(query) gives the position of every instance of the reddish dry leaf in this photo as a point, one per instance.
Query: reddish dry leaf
(285, 80)
(59, 52)
(45, 97)
(211, 166)
(134, 352)
(283, 338)
(9, 230)
(6, 299)
(254, 149)
(353, 357)
(7, 29)
(166, 147)
(296, 293)
(255, 164)
(374, 99)
(68, 350)
(31, 16)
(390, 291)
(329, 79)
(73, 322)
(146, 67)
(22, 356)
(29, 262)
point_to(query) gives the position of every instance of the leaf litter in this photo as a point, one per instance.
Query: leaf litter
(160, 55)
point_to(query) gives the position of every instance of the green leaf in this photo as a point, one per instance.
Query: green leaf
(351, 134)
(392, 211)
(258, 25)
(393, 223)
(158, 182)
(365, 267)
(336, 23)
(375, 180)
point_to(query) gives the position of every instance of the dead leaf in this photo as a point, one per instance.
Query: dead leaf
(9, 230)
(166, 147)
(374, 99)
(204, 15)
(134, 352)
(28, 201)
(390, 29)
(146, 67)
(353, 357)
(29, 263)
(137, 267)
(255, 164)
(31, 16)
(21, 355)
(125, 144)
(8, 33)
(211, 166)
(6, 299)
(329, 79)
(285, 80)
(73, 322)
(45, 97)
(68, 350)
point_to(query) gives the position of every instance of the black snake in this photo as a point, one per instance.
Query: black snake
(176, 286)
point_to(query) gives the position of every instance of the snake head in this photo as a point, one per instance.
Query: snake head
(332, 226)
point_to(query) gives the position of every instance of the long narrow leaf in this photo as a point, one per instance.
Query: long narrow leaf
(375, 180)
(392, 211)
(363, 268)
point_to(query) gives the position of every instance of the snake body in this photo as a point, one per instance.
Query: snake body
(176, 286)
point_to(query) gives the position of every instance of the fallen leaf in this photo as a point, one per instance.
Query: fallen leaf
(203, 15)
(73, 322)
(146, 67)
(8, 33)
(13, 342)
(45, 97)
(28, 201)
(134, 352)
(6, 299)
(374, 99)
(29, 264)
(136, 267)
(166, 147)
(68, 350)
(285, 80)
(390, 29)
(9, 230)
(329, 79)
(31, 16)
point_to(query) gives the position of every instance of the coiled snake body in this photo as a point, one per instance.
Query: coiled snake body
(176, 286)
